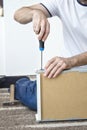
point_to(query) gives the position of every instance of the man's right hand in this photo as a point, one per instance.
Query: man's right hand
(41, 25)
(38, 15)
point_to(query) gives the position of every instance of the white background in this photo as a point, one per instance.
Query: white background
(21, 55)
(2, 47)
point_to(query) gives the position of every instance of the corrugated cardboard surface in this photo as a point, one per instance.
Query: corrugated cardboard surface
(64, 97)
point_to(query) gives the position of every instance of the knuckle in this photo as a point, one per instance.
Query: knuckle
(62, 62)
(51, 72)
(64, 65)
(48, 61)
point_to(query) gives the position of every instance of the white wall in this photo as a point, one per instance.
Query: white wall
(22, 47)
(2, 47)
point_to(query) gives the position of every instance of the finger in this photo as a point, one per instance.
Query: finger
(50, 62)
(59, 71)
(46, 32)
(36, 27)
(42, 30)
(50, 70)
(53, 71)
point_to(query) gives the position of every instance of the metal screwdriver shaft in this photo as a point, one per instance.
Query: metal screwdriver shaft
(41, 60)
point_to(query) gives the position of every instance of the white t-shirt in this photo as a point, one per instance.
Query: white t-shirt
(74, 18)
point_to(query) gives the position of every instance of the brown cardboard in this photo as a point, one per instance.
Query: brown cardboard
(64, 97)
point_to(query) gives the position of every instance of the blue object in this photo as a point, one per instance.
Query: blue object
(41, 45)
(26, 92)
(41, 49)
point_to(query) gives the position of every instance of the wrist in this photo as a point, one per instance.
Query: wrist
(73, 61)
(37, 13)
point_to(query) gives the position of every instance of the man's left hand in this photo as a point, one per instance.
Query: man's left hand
(56, 65)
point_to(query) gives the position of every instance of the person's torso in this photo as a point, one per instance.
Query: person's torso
(74, 19)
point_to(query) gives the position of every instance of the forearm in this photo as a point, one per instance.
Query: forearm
(78, 60)
(25, 14)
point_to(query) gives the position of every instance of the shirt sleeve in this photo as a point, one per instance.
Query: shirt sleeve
(52, 6)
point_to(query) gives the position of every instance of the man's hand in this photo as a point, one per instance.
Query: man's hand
(38, 15)
(56, 65)
(41, 25)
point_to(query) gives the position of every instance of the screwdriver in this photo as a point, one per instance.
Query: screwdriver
(41, 48)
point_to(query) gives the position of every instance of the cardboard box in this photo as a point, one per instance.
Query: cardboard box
(62, 98)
